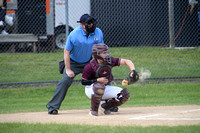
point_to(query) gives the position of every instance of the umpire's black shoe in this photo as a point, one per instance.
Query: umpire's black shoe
(114, 109)
(53, 112)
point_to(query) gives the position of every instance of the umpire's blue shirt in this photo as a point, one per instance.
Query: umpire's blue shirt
(80, 45)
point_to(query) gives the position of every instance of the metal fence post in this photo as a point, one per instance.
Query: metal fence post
(66, 17)
(171, 23)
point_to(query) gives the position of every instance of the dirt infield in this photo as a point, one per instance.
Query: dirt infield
(134, 116)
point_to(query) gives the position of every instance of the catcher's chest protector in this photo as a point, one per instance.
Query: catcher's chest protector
(102, 70)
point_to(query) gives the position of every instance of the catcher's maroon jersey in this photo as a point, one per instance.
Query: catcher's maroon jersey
(94, 70)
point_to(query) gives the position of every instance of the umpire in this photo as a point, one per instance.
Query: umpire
(77, 53)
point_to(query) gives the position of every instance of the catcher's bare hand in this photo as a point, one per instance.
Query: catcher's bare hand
(103, 80)
(132, 78)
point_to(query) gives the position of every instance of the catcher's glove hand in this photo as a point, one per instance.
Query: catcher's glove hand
(132, 78)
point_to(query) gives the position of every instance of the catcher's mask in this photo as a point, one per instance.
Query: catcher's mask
(99, 48)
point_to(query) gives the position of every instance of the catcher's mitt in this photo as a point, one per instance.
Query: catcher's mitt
(131, 78)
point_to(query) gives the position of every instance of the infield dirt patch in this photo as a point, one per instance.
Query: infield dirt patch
(127, 116)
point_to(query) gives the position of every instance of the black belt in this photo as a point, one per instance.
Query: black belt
(81, 63)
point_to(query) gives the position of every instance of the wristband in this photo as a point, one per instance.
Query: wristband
(98, 79)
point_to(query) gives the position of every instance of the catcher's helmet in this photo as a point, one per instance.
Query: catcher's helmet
(97, 49)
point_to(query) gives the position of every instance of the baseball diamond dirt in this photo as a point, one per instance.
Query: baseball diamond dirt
(127, 116)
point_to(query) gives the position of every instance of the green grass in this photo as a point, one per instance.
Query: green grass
(63, 128)
(162, 62)
(35, 99)
(29, 67)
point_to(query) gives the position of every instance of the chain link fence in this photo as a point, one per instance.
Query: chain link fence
(133, 29)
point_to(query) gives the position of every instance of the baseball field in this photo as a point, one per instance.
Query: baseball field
(153, 108)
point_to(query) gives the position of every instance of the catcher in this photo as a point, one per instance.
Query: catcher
(97, 77)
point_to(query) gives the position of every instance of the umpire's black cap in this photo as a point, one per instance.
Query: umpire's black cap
(86, 18)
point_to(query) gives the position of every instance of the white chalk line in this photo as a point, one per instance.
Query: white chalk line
(187, 111)
(143, 117)
(185, 119)
(149, 117)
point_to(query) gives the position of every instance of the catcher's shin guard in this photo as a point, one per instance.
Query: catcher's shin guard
(98, 89)
(122, 98)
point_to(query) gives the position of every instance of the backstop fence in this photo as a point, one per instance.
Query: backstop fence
(33, 36)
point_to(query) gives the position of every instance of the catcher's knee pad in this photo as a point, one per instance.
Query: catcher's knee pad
(98, 89)
(123, 96)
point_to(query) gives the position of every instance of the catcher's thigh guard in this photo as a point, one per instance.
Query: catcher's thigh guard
(122, 98)
(98, 89)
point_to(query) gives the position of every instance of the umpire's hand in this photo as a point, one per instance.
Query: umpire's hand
(70, 73)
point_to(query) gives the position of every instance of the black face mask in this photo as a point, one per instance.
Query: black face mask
(90, 29)
(90, 20)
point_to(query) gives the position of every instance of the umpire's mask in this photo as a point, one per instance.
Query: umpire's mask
(90, 20)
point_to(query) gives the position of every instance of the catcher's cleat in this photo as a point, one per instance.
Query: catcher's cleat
(104, 111)
(93, 113)
(53, 112)
(114, 109)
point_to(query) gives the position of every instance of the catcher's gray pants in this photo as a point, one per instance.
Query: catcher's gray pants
(63, 85)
